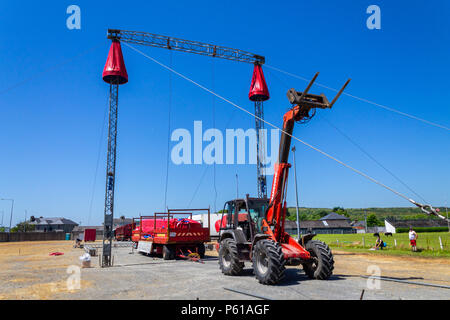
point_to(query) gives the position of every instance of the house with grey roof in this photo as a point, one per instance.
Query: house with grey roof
(334, 216)
(52, 224)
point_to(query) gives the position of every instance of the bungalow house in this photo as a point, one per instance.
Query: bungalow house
(52, 224)
(335, 224)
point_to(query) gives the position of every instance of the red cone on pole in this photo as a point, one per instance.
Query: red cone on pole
(258, 88)
(115, 71)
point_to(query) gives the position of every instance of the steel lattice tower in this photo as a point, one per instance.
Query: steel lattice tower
(115, 74)
(260, 150)
(108, 233)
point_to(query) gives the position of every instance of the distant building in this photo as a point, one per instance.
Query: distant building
(359, 226)
(335, 216)
(392, 224)
(53, 224)
(336, 224)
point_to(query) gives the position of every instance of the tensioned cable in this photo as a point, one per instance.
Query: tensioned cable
(214, 126)
(361, 148)
(274, 126)
(373, 159)
(168, 135)
(364, 100)
(198, 186)
(207, 167)
(98, 162)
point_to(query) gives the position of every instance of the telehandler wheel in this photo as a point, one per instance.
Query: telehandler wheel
(168, 252)
(268, 262)
(228, 258)
(322, 262)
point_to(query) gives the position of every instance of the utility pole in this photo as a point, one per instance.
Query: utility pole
(448, 221)
(296, 193)
(3, 212)
(10, 219)
(12, 209)
(237, 187)
(365, 220)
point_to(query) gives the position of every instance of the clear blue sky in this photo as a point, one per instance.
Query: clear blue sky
(50, 126)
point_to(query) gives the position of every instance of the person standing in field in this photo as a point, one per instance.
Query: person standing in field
(412, 239)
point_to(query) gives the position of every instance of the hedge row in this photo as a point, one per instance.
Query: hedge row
(423, 229)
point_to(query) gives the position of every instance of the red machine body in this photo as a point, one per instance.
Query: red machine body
(123, 233)
(172, 230)
(166, 232)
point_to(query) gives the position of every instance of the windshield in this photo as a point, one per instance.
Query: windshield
(257, 210)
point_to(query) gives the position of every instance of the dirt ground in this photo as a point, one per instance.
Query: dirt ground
(430, 270)
(27, 271)
(24, 266)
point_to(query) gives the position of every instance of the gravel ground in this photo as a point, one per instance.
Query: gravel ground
(135, 276)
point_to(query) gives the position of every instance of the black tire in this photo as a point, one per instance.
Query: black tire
(201, 250)
(168, 252)
(322, 264)
(228, 258)
(268, 262)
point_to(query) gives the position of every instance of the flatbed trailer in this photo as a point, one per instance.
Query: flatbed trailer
(164, 234)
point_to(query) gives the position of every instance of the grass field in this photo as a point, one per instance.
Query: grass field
(427, 243)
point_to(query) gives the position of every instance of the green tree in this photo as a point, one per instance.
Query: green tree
(341, 211)
(372, 220)
(322, 213)
(23, 227)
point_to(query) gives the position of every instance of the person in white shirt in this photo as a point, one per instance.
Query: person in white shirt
(412, 239)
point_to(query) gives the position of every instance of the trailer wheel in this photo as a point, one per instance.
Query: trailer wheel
(322, 264)
(268, 262)
(228, 258)
(201, 250)
(168, 252)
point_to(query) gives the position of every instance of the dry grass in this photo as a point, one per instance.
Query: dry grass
(25, 269)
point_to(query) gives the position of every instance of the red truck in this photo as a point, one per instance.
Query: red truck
(165, 234)
(123, 233)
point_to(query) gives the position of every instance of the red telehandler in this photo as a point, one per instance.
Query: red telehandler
(253, 228)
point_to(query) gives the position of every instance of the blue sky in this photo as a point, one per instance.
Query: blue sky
(51, 124)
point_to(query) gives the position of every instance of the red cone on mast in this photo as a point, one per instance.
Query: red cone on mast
(258, 88)
(115, 71)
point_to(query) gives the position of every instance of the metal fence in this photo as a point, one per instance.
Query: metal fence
(31, 236)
